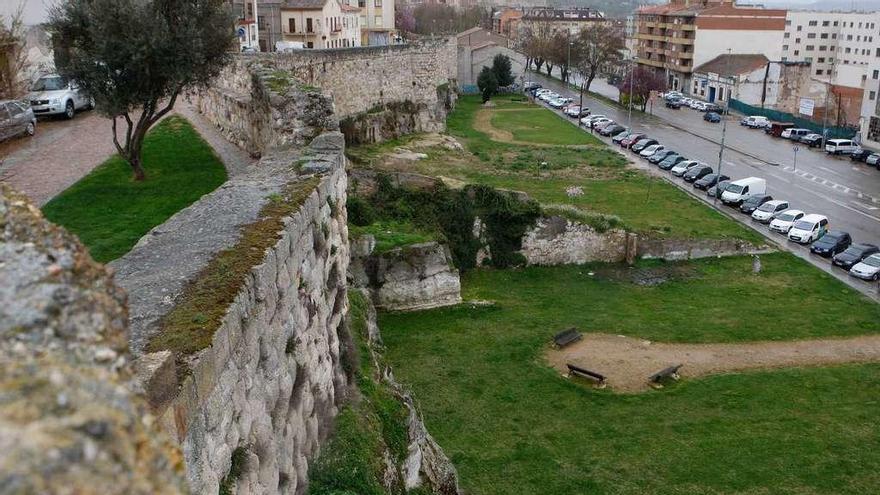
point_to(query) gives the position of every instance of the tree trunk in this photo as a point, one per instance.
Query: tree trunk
(590, 80)
(549, 68)
(538, 63)
(137, 168)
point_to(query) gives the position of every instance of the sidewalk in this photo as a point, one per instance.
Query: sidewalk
(236, 160)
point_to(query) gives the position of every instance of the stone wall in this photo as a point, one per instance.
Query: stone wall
(557, 241)
(689, 249)
(376, 92)
(268, 387)
(70, 421)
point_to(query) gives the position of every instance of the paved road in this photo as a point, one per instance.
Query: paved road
(846, 192)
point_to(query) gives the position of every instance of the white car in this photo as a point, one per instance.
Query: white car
(573, 110)
(808, 229)
(58, 95)
(558, 102)
(591, 118)
(699, 105)
(686, 101)
(782, 222)
(841, 147)
(868, 268)
(598, 122)
(768, 210)
(682, 167)
(650, 150)
(755, 122)
(550, 95)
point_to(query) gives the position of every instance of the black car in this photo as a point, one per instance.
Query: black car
(712, 117)
(853, 254)
(860, 155)
(708, 181)
(643, 143)
(812, 140)
(660, 156)
(674, 103)
(711, 107)
(696, 173)
(833, 242)
(671, 161)
(718, 188)
(612, 130)
(750, 205)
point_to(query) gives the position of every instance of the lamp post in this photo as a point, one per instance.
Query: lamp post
(825, 110)
(257, 25)
(724, 117)
(632, 76)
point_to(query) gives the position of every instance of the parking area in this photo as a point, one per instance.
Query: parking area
(846, 192)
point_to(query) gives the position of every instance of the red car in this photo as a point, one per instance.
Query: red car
(631, 140)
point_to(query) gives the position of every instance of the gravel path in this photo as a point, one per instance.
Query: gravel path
(627, 363)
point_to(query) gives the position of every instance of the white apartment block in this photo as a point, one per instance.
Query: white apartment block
(839, 45)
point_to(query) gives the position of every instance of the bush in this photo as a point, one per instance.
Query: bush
(488, 83)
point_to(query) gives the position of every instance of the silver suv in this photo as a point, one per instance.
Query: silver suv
(56, 95)
(16, 118)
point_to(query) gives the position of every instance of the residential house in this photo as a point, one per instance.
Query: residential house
(477, 47)
(506, 21)
(267, 23)
(321, 24)
(376, 21)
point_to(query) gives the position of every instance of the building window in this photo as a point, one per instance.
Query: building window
(785, 59)
(809, 48)
(814, 23)
(800, 28)
(310, 44)
(377, 3)
(822, 48)
(797, 52)
(872, 95)
(820, 60)
(824, 36)
(808, 59)
(834, 36)
(811, 36)
(788, 22)
(291, 25)
(378, 20)
(834, 24)
(818, 72)
(849, 37)
(847, 50)
(824, 23)
(875, 74)
(797, 41)
(310, 26)
(786, 35)
(874, 129)
(785, 48)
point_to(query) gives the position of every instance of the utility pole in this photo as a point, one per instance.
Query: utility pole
(257, 25)
(825, 110)
(724, 117)
(632, 76)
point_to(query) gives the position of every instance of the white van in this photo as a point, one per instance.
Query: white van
(808, 229)
(795, 134)
(840, 147)
(742, 189)
(755, 121)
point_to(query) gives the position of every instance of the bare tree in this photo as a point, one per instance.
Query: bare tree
(13, 56)
(135, 57)
(596, 48)
(642, 81)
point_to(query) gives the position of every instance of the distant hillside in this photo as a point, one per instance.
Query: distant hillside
(612, 8)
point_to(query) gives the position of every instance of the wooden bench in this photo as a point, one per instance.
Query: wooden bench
(566, 337)
(670, 372)
(585, 373)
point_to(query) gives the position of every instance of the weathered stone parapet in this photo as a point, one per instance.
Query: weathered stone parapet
(558, 241)
(69, 423)
(689, 249)
(265, 391)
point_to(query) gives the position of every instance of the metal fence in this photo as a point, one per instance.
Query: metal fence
(777, 116)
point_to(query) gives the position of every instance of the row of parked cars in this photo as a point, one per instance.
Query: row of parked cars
(811, 139)
(675, 100)
(50, 95)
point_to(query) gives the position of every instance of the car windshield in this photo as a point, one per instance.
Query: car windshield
(50, 84)
(710, 177)
(873, 260)
(854, 251)
(735, 188)
(804, 225)
(767, 207)
(786, 217)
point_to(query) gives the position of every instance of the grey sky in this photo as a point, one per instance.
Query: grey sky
(34, 10)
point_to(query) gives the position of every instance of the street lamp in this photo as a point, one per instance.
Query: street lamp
(724, 118)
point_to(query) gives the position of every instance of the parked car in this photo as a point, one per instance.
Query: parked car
(873, 159)
(599, 124)
(776, 129)
(812, 140)
(808, 229)
(861, 155)
(782, 222)
(685, 101)
(711, 107)
(632, 139)
(755, 122)
(698, 172)
(659, 156)
(588, 121)
(620, 137)
(718, 189)
(794, 133)
(642, 144)
(754, 201)
(833, 242)
(573, 111)
(742, 189)
(671, 161)
(699, 106)
(58, 95)
(612, 130)
(559, 102)
(853, 254)
(549, 95)
(650, 150)
(868, 268)
(16, 118)
(768, 211)
(673, 103)
(709, 180)
(531, 85)
(669, 95)
(840, 147)
(682, 167)
(712, 117)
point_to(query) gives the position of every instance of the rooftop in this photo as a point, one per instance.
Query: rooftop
(731, 65)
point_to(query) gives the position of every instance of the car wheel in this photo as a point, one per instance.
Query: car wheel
(876, 277)
(69, 111)
(91, 103)
(31, 129)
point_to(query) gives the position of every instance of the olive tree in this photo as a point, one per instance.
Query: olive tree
(502, 68)
(135, 57)
(488, 83)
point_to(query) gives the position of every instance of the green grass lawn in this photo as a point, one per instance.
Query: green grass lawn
(538, 125)
(110, 212)
(392, 234)
(513, 426)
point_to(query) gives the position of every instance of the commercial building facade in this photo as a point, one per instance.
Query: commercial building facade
(320, 24)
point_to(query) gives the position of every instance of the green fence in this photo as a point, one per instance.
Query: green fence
(777, 116)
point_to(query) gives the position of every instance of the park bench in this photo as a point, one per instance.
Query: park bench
(670, 372)
(566, 337)
(585, 373)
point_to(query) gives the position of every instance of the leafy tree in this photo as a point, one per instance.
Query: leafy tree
(596, 49)
(501, 69)
(488, 83)
(642, 81)
(13, 57)
(404, 18)
(438, 18)
(135, 57)
(557, 53)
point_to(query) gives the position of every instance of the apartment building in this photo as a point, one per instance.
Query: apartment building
(266, 22)
(674, 38)
(376, 21)
(321, 23)
(835, 43)
(567, 20)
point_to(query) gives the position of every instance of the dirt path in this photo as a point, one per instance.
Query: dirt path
(627, 363)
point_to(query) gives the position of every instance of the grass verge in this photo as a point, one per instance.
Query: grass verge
(512, 425)
(110, 212)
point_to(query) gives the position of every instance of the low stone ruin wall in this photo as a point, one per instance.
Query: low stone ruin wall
(558, 241)
(70, 421)
(689, 249)
(419, 276)
(265, 392)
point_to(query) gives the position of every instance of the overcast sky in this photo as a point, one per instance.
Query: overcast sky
(34, 10)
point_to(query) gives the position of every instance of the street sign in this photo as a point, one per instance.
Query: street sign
(241, 32)
(796, 149)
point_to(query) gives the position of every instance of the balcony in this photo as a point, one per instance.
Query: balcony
(681, 41)
(687, 27)
(652, 63)
(650, 37)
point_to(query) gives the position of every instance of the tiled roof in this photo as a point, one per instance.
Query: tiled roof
(304, 4)
(730, 65)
